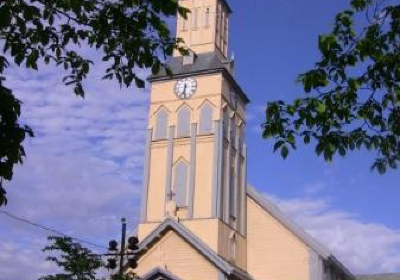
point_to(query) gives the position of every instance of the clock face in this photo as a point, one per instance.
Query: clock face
(185, 88)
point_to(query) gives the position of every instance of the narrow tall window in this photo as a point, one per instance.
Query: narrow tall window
(225, 35)
(217, 25)
(184, 122)
(222, 29)
(225, 123)
(232, 192)
(181, 183)
(207, 17)
(161, 125)
(196, 18)
(206, 118)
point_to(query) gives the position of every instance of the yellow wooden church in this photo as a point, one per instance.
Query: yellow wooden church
(199, 218)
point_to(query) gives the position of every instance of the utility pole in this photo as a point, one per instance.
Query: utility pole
(122, 252)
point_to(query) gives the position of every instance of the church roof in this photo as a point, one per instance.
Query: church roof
(298, 231)
(392, 276)
(204, 63)
(196, 243)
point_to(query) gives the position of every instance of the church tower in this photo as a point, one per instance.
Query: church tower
(199, 219)
(195, 169)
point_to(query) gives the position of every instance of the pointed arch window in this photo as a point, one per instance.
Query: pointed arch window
(161, 125)
(180, 185)
(206, 119)
(184, 122)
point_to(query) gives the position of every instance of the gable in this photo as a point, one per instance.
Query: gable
(176, 255)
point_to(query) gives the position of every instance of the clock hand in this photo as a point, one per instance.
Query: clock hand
(184, 89)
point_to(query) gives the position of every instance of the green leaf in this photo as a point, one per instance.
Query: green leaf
(139, 83)
(321, 108)
(278, 145)
(284, 152)
(5, 16)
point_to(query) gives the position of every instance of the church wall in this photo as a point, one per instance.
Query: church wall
(274, 253)
(208, 87)
(174, 254)
(204, 229)
(163, 97)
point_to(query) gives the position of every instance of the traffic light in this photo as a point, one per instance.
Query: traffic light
(113, 246)
(132, 263)
(133, 242)
(112, 263)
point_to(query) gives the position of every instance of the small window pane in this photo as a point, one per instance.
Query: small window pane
(184, 122)
(196, 18)
(161, 125)
(180, 186)
(206, 118)
(232, 191)
(207, 18)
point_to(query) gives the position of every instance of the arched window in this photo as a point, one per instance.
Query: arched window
(161, 125)
(206, 119)
(181, 183)
(184, 122)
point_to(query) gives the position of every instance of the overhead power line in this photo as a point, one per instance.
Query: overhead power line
(45, 228)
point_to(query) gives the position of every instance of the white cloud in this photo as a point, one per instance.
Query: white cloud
(83, 171)
(363, 247)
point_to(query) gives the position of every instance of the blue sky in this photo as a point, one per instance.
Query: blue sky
(84, 168)
(274, 41)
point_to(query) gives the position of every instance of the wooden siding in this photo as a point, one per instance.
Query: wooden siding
(273, 252)
(177, 256)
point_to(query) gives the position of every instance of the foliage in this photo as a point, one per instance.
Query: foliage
(353, 93)
(76, 262)
(130, 34)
